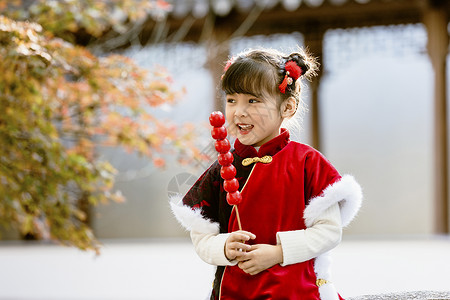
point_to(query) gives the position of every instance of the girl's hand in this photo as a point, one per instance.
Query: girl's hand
(235, 245)
(260, 257)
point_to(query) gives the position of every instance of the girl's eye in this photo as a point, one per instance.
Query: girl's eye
(230, 101)
(253, 101)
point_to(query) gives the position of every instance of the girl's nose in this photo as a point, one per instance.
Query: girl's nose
(241, 111)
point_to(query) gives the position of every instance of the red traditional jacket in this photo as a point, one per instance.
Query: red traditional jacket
(276, 197)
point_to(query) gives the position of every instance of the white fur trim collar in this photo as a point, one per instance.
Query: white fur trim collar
(347, 192)
(191, 219)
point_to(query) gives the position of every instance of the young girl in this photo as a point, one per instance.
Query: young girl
(294, 203)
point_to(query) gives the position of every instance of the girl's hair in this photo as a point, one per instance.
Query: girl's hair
(260, 72)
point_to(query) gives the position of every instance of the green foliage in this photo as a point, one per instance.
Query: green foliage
(58, 103)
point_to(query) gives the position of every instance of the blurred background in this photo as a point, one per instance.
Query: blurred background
(374, 117)
(377, 110)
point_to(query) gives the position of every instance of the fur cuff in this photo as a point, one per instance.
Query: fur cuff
(322, 265)
(347, 192)
(328, 292)
(191, 219)
(322, 268)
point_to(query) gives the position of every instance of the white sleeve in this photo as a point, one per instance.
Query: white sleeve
(302, 245)
(210, 247)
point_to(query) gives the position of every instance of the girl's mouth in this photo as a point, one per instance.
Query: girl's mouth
(244, 128)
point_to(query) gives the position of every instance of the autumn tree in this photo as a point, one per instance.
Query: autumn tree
(59, 102)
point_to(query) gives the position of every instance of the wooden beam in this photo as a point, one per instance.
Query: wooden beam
(436, 21)
(314, 42)
(218, 46)
(348, 15)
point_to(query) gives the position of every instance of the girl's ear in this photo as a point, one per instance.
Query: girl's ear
(288, 108)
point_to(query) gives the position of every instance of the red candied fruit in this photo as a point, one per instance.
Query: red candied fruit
(216, 119)
(225, 159)
(234, 198)
(231, 186)
(222, 146)
(219, 133)
(228, 172)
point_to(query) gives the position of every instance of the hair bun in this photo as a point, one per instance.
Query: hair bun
(300, 61)
(305, 61)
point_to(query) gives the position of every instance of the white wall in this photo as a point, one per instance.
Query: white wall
(378, 126)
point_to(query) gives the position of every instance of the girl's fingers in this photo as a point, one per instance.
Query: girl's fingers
(249, 267)
(247, 233)
(243, 235)
(239, 237)
(243, 257)
(236, 249)
(235, 244)
(239, 255)
(246, 266)
(238, 245)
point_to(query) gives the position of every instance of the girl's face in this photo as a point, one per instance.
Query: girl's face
(254, 121)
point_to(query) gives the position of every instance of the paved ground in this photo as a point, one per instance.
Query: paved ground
(171, 270)
(418, 295)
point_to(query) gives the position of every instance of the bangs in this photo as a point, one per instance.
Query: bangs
(248, 76)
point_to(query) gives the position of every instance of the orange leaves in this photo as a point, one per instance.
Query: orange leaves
(60, 103)
(159, 162)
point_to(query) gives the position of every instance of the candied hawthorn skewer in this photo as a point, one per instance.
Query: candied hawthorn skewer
(225, 158)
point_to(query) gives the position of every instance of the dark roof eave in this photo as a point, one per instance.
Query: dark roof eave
(327, 16)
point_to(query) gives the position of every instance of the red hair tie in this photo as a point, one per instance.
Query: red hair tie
(227, 66)
(229, 63)
(293, 72)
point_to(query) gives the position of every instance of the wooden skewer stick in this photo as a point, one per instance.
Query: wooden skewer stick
(238, 218)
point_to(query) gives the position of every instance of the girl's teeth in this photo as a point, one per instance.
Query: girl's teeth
(246, 127)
